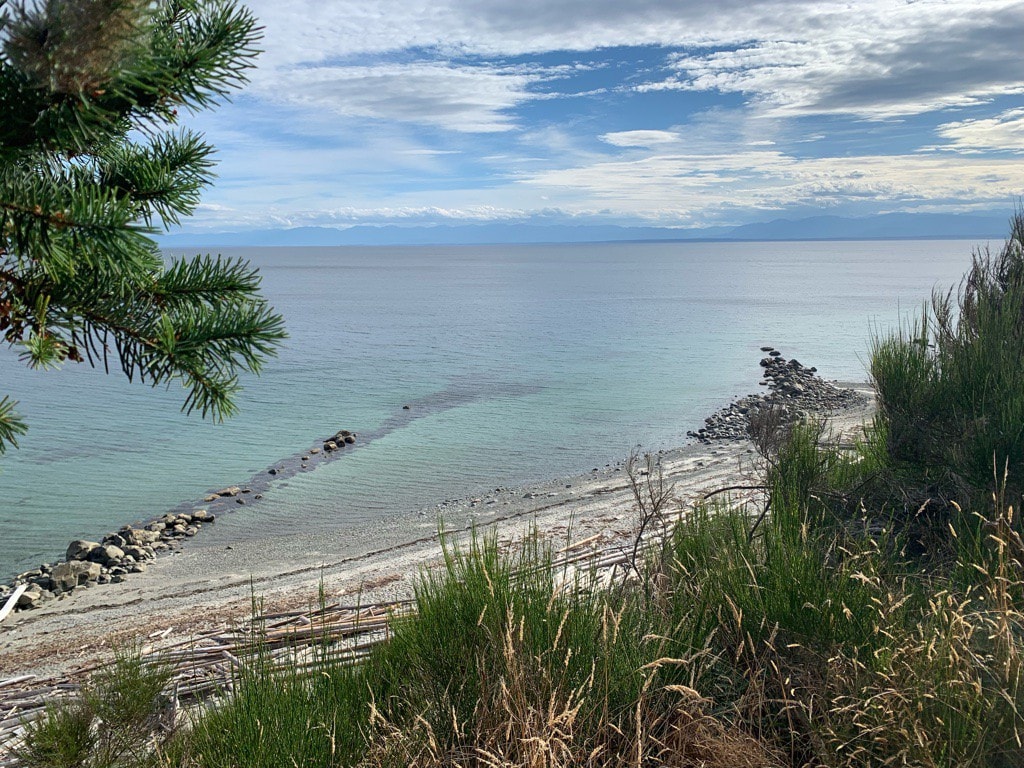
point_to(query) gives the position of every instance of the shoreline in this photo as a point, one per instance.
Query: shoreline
(211, 581)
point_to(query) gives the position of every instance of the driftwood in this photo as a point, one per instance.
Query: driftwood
(12, 601)
(207, 665)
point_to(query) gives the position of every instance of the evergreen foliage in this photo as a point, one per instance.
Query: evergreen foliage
(91, 165)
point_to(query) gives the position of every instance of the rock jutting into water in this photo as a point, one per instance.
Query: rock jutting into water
(88, 563)
(104, 562)
(340, 439)
(794, 392)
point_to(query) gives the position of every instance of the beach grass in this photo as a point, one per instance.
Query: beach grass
(795, 642)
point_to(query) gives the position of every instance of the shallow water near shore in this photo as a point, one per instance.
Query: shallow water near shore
(518, 363)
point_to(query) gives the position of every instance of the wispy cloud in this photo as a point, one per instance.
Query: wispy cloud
(667, 187)
(1004, 132)
(467, 99)
(872, 60)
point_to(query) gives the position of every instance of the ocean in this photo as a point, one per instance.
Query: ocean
(518, 364)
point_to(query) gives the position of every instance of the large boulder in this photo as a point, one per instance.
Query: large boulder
(67, 576)
(137, 552)
(30, 598)
(139, 537)
(81, 549)
(106, 554)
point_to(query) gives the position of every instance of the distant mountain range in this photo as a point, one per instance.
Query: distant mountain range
(887, 226)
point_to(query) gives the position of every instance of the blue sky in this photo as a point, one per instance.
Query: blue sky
(651, 112)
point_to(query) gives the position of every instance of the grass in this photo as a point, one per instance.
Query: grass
(120, 718)
(951, 386)
(868, 615)
(783, 648)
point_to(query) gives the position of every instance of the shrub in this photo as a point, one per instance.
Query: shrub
(951, 386)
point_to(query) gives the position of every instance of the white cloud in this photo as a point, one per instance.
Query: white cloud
(640, 138)
(663, 188)
(343, 88)
(463, 99)
(875, 58)
(1004, 132)
(871, 60)
(676, 186)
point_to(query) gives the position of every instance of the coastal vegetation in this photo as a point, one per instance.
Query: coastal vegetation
(866, 613)
(91, 166)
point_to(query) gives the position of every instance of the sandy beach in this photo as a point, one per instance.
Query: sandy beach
(210, 582)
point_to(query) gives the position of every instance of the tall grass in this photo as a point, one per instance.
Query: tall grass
(121, 719)
(951, 386)
(804, 644)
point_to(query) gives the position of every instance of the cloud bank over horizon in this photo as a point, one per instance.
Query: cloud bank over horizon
(669, 113)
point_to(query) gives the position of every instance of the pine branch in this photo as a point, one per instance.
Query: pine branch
(11, 425)
(163, 178)
(80, 279)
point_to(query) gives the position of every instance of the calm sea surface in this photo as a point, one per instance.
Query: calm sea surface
(519, 363)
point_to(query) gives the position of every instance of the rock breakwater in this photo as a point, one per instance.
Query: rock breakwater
(794, 392)
(108, 561)
(128, 550)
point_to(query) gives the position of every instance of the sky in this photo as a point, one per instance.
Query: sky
(674, 113)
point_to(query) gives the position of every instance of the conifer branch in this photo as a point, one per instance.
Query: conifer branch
(80, 277)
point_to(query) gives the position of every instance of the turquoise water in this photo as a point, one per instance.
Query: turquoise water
(519, 363)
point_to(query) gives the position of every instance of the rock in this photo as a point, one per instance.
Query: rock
(202, 516)
(114, 540)
(30, 598)
(775, 353)
(67, 576)
(141, 537)
(349, 439)
(44, 582)
(106, 554)
(192, 530)
(314, 450)
(234, 490)
(157, 527)
(215, 496)
(240, 501)
(330, 445)
(137, 552)
(79, 549)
